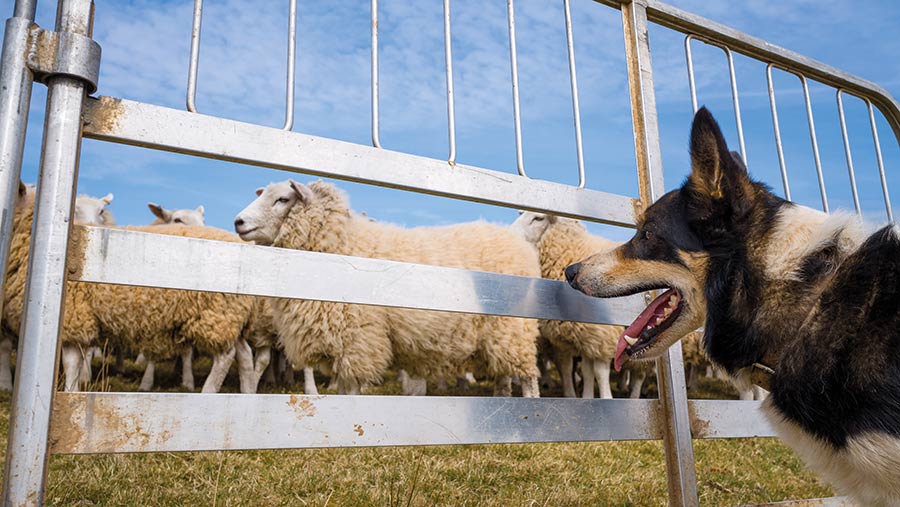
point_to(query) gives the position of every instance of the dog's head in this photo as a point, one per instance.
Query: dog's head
(672, 246)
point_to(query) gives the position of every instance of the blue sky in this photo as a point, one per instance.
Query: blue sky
(145, 57)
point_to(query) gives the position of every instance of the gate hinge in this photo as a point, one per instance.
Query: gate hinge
(63, 53)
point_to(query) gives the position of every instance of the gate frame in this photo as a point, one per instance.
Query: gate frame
(40, 418)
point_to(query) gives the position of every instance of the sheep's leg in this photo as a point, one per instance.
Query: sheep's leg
(244, 356)
(417, 387)
(530, 387)
(565, 363)
(141, 359)
(147, 379)
(6, 347)
(120, 360)
(693, 377)
(601, 372)
(442, 384)
(348, 386)
(709, 372)
(72, 358)
(503, 386)
(287, 378)
(220, 366)
(637, 382)
(587, 373)
(261, 363)
(269, 376)
(309, 380)
(625, 379)
(187, 368)
(85, 374)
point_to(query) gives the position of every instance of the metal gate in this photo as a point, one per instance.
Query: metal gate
(67, 61)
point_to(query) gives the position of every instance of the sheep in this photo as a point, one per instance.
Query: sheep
(358, 343)
(177, 216)
(88, 211)
(183, 217)
(561, 242)
(157, 321)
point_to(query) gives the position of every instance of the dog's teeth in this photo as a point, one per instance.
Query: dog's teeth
(672, 300)
(629, 340)
(667, 312)
(659, 320)
(650, 326)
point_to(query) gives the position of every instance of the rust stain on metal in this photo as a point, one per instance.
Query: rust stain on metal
(699, 426)
(77, 253)
(101, 116)
(303, 406)
(67, 430)
(359, 429)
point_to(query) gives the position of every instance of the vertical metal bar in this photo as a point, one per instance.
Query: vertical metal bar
(376, 139)
(840, 105)
(884, 187)
(27, 452)
(25, 9)
(576, 111)
(777, 129)
(680, 464)
(291, 71)
(815, 143)
(737, 104)
(514, 69)
(448, 61)
(195, 57)
(690, 67)
(16, 82)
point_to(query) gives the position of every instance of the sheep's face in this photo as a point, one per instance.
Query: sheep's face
(92, 211)
(533, 225)
(261, 221)
(177, 216)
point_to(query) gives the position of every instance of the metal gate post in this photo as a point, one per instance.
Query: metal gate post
(16, 82)
(675, 418)
(27, 453)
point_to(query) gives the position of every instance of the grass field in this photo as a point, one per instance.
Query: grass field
(730, 472)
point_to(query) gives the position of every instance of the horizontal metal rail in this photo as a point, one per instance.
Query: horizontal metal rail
(110, 255)
(162, 128)
(759, 49)
(86, 423)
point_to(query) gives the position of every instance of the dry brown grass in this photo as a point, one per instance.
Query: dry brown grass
(731, 472)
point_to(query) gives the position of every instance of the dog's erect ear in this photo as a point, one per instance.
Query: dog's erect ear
(715, 172)
(303, 192)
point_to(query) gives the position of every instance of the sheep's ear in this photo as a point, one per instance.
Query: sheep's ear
(200, 209)
(303, 192)
(259, 191)
(22, 189)
(107, 198)
(157, 210)
(552, 219)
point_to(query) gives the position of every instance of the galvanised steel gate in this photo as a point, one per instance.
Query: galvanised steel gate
(67, 61)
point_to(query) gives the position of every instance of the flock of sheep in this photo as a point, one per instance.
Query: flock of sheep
(354, 345)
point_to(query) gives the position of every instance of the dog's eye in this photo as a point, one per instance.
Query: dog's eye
(648, 235)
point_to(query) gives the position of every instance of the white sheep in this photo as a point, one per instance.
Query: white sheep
(358, 343)
(88, 211)
(176, 216)
(561, 242)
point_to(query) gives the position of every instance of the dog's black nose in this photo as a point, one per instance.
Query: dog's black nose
(572, 273)
(238, 222)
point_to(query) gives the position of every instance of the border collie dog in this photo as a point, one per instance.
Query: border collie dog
(804, 302)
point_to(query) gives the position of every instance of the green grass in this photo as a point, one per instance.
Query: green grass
(730, 472)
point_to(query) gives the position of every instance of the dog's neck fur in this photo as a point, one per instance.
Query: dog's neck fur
(769, 274)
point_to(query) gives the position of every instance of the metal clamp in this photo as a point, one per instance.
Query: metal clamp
(63, 53)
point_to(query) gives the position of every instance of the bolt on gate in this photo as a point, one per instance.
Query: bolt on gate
(67, 61)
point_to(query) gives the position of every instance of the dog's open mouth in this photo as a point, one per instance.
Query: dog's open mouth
(646, 328)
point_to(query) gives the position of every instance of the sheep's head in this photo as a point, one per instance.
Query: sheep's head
(533, 225)
(262, 219)
(92, 210)
(177, 216)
